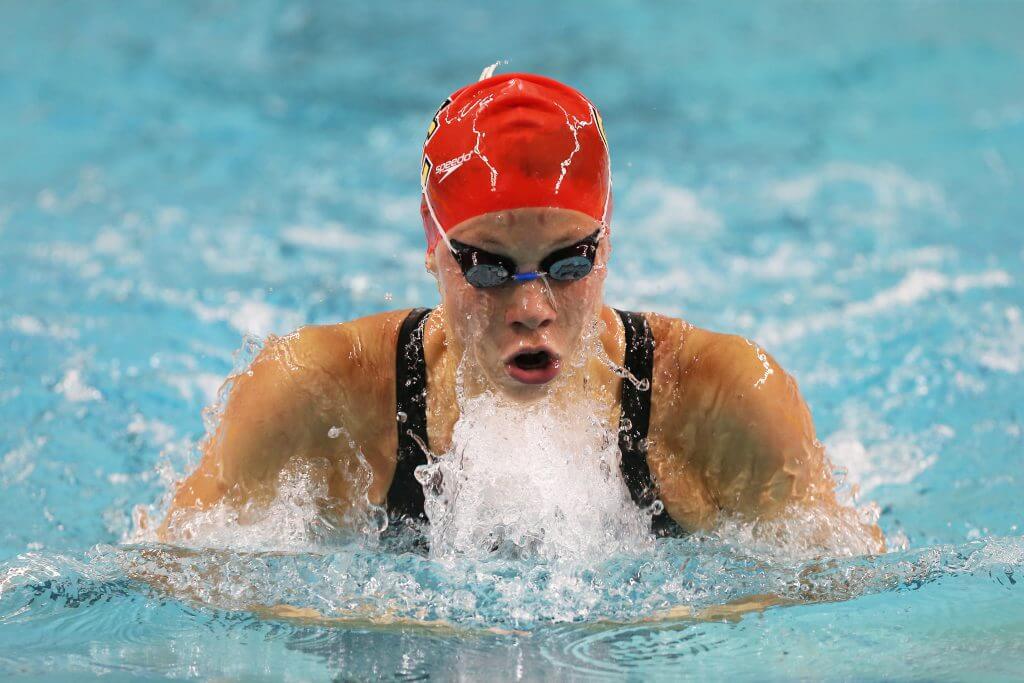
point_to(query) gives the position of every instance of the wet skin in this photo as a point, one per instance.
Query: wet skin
(729, 431)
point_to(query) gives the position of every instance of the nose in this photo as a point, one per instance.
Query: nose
(530, 308)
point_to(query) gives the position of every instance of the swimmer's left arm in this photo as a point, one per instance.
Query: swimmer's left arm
(750, 433)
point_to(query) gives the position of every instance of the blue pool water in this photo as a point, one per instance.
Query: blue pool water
(841, 182)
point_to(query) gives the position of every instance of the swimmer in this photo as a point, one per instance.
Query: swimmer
(516, 205)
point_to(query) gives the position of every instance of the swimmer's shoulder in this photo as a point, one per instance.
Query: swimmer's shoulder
(363, 347)
(677, 342)
(359, 358)
(695, 352)
(291, 401)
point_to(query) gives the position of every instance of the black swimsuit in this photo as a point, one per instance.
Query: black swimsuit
(405, 497)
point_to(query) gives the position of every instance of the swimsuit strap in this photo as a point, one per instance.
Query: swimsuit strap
(405, 497)
(635, 418)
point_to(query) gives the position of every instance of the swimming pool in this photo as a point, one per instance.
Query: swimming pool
(840, 183)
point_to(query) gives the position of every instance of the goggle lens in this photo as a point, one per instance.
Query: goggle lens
(572, 268)
(487, 275)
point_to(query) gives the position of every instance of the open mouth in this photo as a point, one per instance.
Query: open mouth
(533, 366)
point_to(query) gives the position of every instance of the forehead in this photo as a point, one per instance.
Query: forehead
(517, 228)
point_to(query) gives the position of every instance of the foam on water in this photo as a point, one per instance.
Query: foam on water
(537, 480)
(295, 520)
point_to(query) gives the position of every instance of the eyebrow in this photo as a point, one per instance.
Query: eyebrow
(490, 243)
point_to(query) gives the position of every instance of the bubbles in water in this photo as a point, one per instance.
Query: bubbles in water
(804, 533)
(294, 520)
(516, 482)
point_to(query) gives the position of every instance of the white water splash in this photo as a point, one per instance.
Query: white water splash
(301, 516)
(804, 533)
(517, 482)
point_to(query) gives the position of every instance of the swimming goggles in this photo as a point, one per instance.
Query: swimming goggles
(484, 269)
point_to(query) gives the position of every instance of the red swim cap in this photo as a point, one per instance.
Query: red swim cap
(511, 141)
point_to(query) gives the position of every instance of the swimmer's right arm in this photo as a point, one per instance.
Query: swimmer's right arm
(292, 401)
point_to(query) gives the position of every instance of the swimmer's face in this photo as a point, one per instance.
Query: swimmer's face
(521, 334)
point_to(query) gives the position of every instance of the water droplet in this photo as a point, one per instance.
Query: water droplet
(402, 417)
(640, 384)
(429, 476)
(334, 432)
(419, 442)
(377, 519)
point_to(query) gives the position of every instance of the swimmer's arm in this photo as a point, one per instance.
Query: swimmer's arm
(747, 428)
(284, 405)
(750, 432)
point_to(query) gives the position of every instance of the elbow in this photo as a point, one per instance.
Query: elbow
(778, 489)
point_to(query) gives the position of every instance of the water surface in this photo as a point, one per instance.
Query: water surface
(841, 183)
